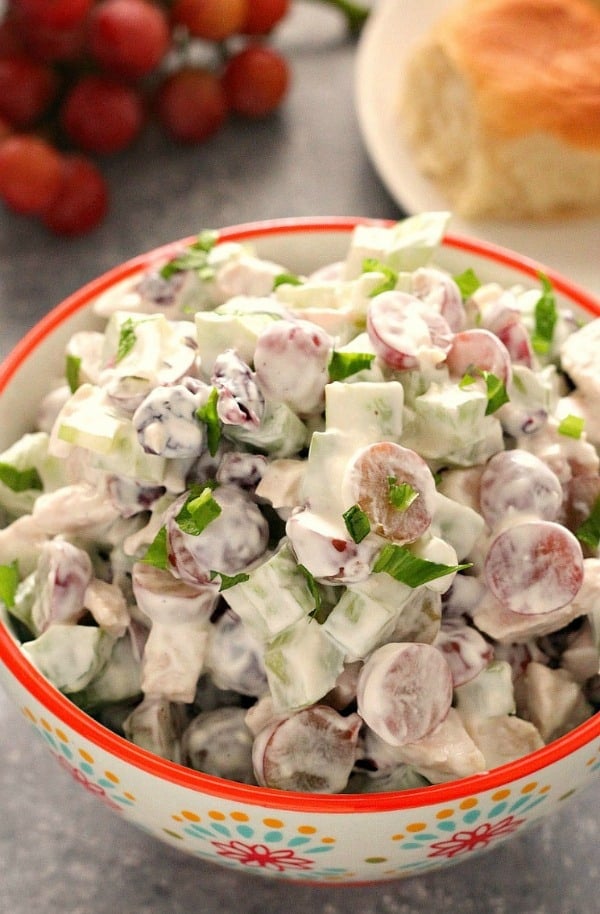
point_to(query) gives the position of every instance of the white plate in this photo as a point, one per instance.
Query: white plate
(570, 246)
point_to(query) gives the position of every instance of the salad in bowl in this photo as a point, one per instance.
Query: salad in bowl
(315, 531)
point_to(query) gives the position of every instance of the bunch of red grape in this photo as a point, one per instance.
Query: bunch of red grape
(79, 80)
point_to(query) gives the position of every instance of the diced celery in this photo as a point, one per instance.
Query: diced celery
(407, 245)
(302, 664)
(24, 600)
(280, 433)
(88, 420)
(70, 656)
(370, 411)
(365, 613)
(458, 524)
(29, 453)
(449, 420)
(126, 457)
(237, 328)
(328, 457)
(275, 595)
(118, 681)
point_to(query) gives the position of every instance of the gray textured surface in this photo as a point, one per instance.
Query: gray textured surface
(62, 851)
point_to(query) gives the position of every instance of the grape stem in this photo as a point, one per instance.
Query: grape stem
(356, 14)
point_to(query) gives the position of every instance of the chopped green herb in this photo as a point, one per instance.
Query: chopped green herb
(357, 523)
(371, 265)
(496, 391)
(404, 566)
(287, 279)
(127, 339)
(401, 495)
(589, 531)
(157, 553)
(198, 511)
(571, 426)
(467, 282)
(208, 414)
(229, 580)
(72, 366)
(546, 316)
(315, 593)
(20, 480)
(344, 364)
(9, 580)
(195, 257)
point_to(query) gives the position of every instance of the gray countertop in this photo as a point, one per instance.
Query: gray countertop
(60, 850)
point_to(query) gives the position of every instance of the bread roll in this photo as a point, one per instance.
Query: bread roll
(501, 107)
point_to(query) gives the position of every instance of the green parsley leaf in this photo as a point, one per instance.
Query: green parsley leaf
(315, 593)
(157, 553)
(496, 391)
(9, 580)
(344, 364)
(357, 523)
(589, 531)
(371, 265)
(20, 480)
(229, 580)
(72, 366)
(546, 316)
(127, 339)
(287, 279)
(401, 495)
(209, 415)
(195, 257)
(198, 511)
(404, 566)
(467, 282)
(571, 426)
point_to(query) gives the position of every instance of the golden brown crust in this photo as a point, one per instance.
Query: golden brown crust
(533, 65)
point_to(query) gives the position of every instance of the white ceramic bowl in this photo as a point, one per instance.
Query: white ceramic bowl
(307, 837)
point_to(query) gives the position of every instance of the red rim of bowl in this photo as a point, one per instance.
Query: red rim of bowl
(58, 704)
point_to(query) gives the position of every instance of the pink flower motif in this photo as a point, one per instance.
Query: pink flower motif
(88, 785)
(462, 841)
(259, 855)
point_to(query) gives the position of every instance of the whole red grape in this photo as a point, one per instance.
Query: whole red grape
(82, 201)
(60, 14)
(128, 37)
(263, 16)
(212, 20)
(256, 80)
(27, 87)
(191, 105)
(102, 115)
(30, 173)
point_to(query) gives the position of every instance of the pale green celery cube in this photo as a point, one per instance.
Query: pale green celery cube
(127, 457)
(489, 694)
(70, 656)
(365, 613)
(280, 433)
(24, 600)
(275, 596)
(328, 458)
(446, 418)
(30, 452)
(118, 681)
(302, 665)
(156, 347)
(369, 411)
(405, 246)
(457, 524)
(238, 329)
(88, 420)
